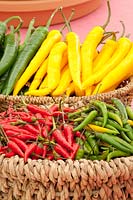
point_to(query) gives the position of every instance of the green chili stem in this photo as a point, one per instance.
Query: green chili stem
(109, 15)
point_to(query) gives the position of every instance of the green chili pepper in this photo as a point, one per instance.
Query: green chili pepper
(27, 53)
(129, 133)
(79, 154)
(125, 137)
(92, 142)
(103, 156)
(121, 107)
(115, 117)
(25, 56)
(102, 106)
(111, 107)
(115, 142)
(10, 52)
(79, 112)
(116, 125)
(129, 112)
(3, 26)
(3, 79)
(87, 120)
(116, 154)
(87, 148)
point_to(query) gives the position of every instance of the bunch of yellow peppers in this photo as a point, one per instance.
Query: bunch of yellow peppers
(65, 66)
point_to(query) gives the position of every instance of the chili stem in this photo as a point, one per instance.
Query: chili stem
(109, 15)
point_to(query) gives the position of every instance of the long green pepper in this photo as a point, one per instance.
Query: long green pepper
(121, 107)
(86, 121)
(102, 106)
(10, 52)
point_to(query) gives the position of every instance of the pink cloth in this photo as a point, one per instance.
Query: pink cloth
(121, 11)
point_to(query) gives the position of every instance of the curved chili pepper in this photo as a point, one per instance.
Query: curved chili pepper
(129, 112)
(121, 107)
(92, 114)
(61, 140)
(9, 154)
(31, 148)
(3, 26)
(20, 143)
(15, 148)
(61, 151)
(36, 109)
(116, 153)
(10, 53)
(31, 129)
(68, 132)
(75, 149)
(102, 106)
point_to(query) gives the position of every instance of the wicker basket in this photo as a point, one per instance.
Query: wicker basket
(66, 180)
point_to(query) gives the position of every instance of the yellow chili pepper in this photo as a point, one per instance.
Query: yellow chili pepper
(124, 45)
(64, 61)
(130, 122)
(44, 83)
(40, 92)
(64, 82)
(54, 63)
(121, 72)
(70, 89)
(78, 92)
(74, 60)
(88, 49)
(39, 75)
(104, 55)
(99, 129)
(53, 37)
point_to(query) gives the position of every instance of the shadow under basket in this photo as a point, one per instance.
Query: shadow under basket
(67, 180)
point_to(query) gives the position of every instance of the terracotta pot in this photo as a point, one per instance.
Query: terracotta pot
(42, 9)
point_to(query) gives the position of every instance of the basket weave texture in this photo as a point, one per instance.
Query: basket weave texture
(67, 180)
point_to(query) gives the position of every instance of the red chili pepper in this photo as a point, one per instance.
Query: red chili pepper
(20, 143)
(44, 151)
(44, 132)
(31, 128)
(49, 121)
(31, 148)
(29, 119)
(10, 127)
(25, 137)
(9, 154)
(40, 118)
(62, 152)
(38, 150)
(61, 140)
(36, 109)
(15, 148)
(54, 108)
(60, 114)
(75, 149)
(15, 129)
(50, 157)
(11, 133)
(68, 131)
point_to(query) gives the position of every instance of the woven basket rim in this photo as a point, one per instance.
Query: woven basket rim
(47, 99)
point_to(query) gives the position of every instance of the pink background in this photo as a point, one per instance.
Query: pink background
(122, 10)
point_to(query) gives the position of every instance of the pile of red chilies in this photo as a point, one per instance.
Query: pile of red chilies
(37, 132)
